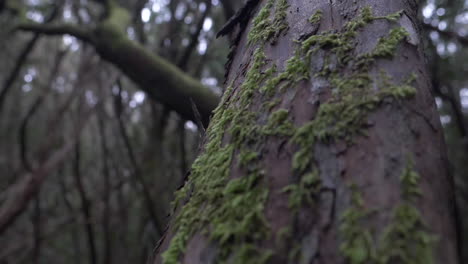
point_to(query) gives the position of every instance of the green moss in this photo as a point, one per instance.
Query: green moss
(365, 18)
(278, 124)
(261, 23)
(407, 238)
(266, 29)
(409, 180)
(283, 235)
(294, 253)
(343, 116)
(304, 192)
(357, 245)
(269, 105)
(254, 77)
(391, 17)
(269, 90)
(247, 156)
(387, 46)
(296, 70)
(116, 23)
(316, 17)
(111, 33)
(229, 211)
(241, 217)
(250, 254)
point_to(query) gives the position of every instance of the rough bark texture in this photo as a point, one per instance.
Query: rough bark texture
(326, 147)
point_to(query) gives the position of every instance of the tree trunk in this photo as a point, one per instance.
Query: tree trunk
(326, 147)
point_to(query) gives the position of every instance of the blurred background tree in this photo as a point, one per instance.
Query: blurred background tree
(445, 25)
(90, 160)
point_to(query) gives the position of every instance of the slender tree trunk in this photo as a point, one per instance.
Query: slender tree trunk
(74, 235)
(150, 204)
(36, 252)
(85, 207)
(326, 147)
(106, 215)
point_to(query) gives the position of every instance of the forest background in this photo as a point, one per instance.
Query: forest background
(90, 157)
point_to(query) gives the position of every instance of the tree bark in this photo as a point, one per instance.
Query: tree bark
(326, 146)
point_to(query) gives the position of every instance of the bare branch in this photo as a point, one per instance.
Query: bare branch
(22, 59)
(183, 61)
(23, 139)
(85, 205)
(149, 202)
(26, 189)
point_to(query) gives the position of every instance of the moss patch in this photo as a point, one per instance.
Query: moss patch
(278, 124)
(357, 246)
(405, 240)
(344, 115)
(316, 17)
(116, 23)
(266, 29)
(228, 211)
(305, 192)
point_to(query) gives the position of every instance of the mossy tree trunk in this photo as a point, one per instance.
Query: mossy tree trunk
(326, 147)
